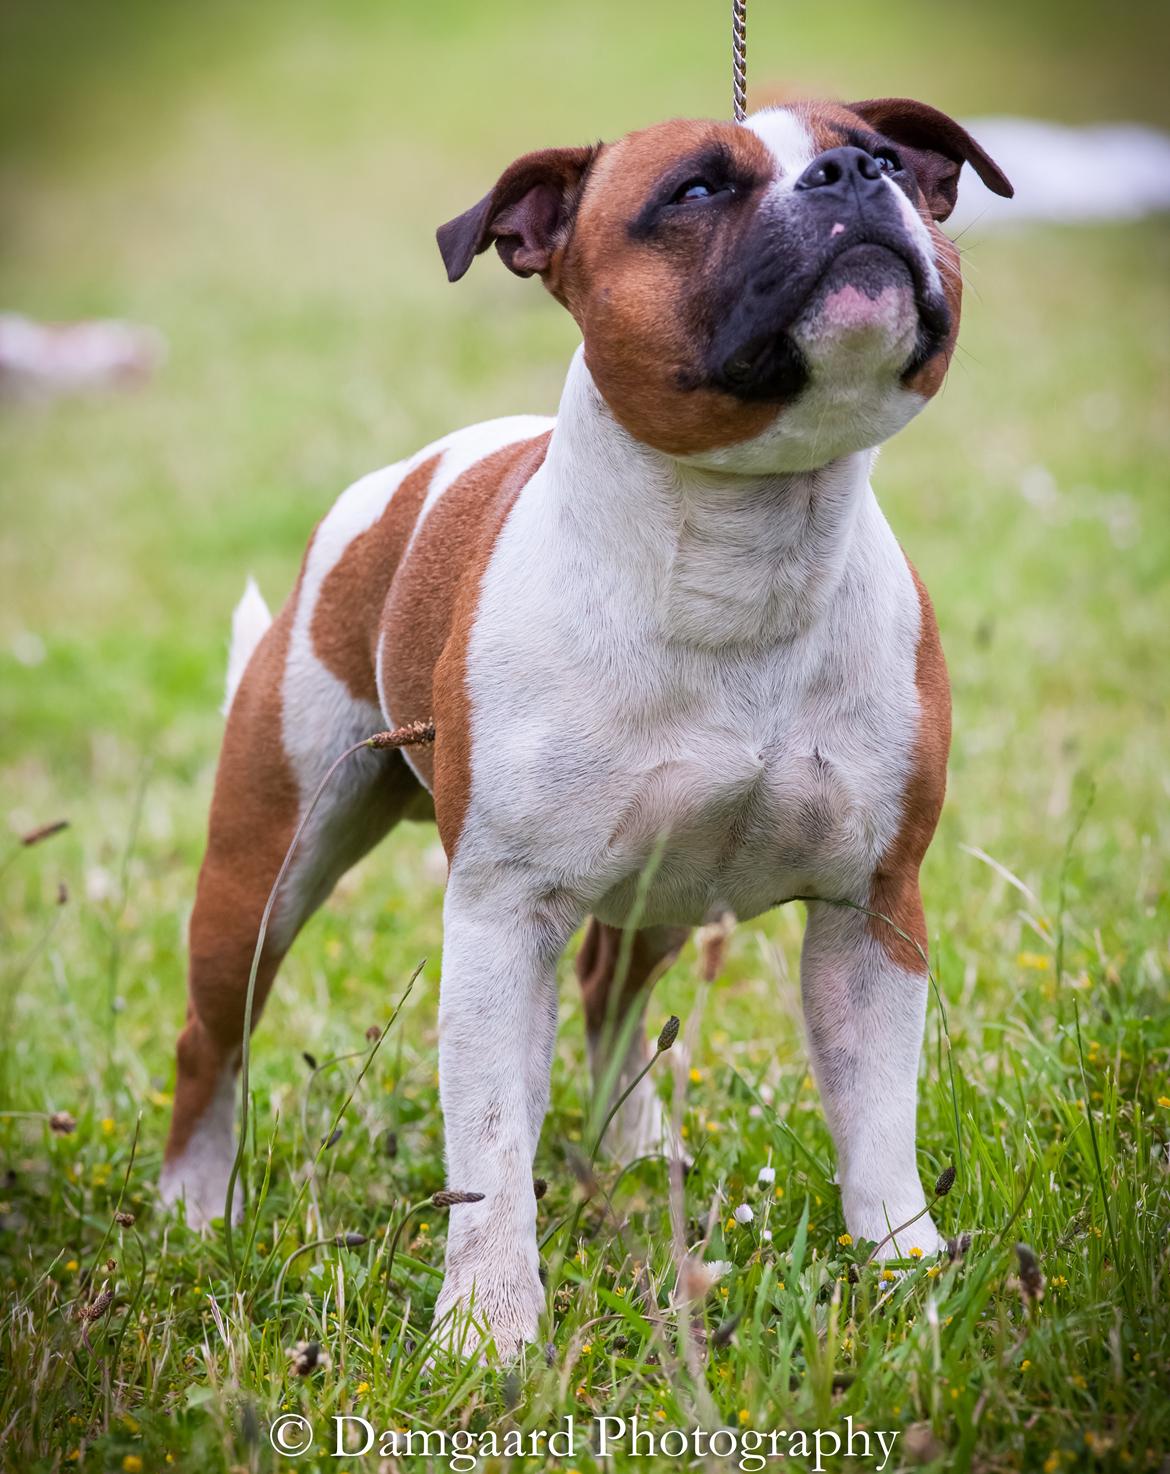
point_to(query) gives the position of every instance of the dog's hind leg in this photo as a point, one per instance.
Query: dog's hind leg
(615, 995)
(285, 725)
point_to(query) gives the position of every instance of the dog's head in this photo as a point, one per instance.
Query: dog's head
(762, 297)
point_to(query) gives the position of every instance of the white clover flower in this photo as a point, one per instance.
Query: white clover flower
(744, 1214)
(717, 1268)
(766, 1235)
(767, 1176)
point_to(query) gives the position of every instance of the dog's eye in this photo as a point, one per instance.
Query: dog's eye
(888, 161)
(693, 189)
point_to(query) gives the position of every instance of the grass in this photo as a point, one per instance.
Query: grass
(264, 189)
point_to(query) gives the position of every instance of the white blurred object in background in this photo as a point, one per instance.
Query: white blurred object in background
(41, 360)
(1066, 176)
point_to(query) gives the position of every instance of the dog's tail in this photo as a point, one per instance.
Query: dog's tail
(249, 622)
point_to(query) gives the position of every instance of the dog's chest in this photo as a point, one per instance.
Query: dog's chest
(694, 732)
(744, 799)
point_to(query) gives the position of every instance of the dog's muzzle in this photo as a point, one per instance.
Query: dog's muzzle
(842, 225)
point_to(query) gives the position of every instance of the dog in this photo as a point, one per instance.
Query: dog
(676, 660)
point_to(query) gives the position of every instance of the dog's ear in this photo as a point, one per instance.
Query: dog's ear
(529, 214)
(935, 147)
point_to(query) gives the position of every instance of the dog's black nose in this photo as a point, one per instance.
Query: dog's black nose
(839, 169)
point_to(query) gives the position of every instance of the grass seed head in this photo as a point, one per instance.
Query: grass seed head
(451, 1198)
(1031, 1277)
(43, 831)
(61, 1123)
(96, 1307)
(695, 1278)
(945, 1181)
(723, 1333)
(412, 734)
(307, 1357)
(539, 1188)
(123, 1219)
(669, 1033)
(957, 1247)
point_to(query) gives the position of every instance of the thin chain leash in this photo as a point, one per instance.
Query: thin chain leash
(739, 59)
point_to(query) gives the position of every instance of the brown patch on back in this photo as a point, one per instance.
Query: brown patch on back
(894, 890)
(348, 612)
(643, 337)
(429, 613)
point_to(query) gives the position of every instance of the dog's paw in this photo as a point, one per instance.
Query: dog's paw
(491, 1314)
(201, 1187)
(641, 1129)
(873, 1222)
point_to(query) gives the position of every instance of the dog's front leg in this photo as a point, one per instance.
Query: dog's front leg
(497, 1028)
(865, 1007)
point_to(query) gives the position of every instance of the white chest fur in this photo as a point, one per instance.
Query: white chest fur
(674, 666)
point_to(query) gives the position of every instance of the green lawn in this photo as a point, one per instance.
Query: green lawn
(263, 185)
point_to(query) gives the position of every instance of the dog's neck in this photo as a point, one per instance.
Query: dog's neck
(703, 557)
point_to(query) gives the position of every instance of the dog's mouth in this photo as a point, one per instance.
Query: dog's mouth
(871, 290)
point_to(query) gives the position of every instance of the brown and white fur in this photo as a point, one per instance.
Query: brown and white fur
(673, 621)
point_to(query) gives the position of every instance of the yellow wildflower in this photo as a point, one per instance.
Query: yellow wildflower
(844, 1239)
(107, 1126)
(916, 1252)
(131, 1464)
(744, 1415)
(696, 1075)
(1037, 961)
(1164, 1102)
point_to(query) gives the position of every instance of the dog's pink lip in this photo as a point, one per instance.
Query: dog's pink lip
(846, 306)
(849, 309)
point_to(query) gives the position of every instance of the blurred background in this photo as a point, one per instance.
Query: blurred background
(259, 186)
